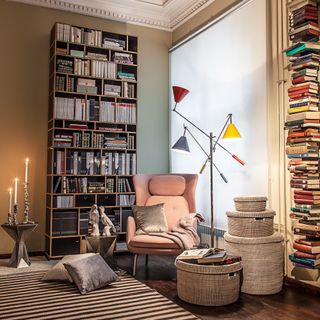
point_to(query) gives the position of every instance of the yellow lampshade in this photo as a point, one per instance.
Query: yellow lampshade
(231, 132)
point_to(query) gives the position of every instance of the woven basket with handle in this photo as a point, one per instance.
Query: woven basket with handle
(208, 285)
(262, 260)
(250, 224)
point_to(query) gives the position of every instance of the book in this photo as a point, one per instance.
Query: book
(216, 256)
(299, 47)
(194, 254)
(306, 248)
(303, 116)
(305, 261)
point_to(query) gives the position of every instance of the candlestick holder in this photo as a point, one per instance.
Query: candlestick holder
(15, 212)
(26, 204)
(9, 218)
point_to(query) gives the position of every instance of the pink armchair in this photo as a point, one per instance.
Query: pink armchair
(177, 192)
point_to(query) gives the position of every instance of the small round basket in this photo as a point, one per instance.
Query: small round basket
(250, 224)
(208, 285)
(250, 204)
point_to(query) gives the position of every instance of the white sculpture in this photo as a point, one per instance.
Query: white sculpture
(94, 221)
(108, 225)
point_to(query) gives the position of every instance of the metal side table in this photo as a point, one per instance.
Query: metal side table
(18, 232)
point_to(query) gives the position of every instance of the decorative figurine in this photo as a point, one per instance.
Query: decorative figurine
(94, 221)
(108, 225)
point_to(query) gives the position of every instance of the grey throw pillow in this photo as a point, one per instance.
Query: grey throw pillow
(59, 273)
(150, 218)
(90, 273)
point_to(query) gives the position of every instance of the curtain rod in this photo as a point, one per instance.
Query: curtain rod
(210, 24)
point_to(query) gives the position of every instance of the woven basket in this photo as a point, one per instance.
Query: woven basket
(208, 285)
(262, 260)
(250, 224)
(250, 204)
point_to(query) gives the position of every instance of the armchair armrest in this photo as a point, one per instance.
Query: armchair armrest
(131, 229)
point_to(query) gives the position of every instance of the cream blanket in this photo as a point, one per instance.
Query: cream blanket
(184, 233)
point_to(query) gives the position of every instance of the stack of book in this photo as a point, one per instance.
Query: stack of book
(96, 186)
(64, 66)
(307, 254)
(303, 123)
(114, 43)
(124, 58)
(87, 86)
(210, 256)
(112, 90)
(115, 143)
(62, 140)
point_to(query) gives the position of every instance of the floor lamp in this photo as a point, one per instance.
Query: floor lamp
(228, 130)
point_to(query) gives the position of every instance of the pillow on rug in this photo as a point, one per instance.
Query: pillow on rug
(90, 273)
(150, 218)
(59, 273)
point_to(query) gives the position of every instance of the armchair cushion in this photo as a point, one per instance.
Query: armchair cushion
(150, 218)
(167, 185)
(147, 241)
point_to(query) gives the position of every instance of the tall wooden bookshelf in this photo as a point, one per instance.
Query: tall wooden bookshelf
(91, 133)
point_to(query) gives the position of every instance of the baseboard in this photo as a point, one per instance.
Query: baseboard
(31, 254)
(305, 287)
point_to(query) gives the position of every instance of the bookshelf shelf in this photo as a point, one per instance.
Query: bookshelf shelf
(91, 133)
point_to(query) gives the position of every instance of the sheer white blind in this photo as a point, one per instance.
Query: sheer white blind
(224, 67)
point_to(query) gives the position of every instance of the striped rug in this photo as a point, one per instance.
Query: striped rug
(25, 296)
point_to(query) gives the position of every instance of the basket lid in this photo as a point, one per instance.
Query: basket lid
(275, 238)
(208, 269)
(251, 214)
(250, 198)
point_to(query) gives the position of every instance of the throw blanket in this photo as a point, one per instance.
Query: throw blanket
(184, 233)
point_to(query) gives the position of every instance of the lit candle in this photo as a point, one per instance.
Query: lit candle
(15, 190)
(10, 200)
(26, 171)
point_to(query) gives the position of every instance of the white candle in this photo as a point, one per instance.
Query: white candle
(15, 190)
(10, 200)
(26, 171)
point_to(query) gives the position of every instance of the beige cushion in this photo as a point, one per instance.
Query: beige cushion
(146, 241)
(150, 218)
(167, 185)
(59, 273)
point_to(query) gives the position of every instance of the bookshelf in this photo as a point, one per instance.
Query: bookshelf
(91, 133)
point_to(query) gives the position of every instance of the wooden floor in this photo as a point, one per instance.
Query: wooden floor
(292, 303)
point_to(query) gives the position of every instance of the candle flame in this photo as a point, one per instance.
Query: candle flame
(27, 160)
(10, 190)
(16, 179)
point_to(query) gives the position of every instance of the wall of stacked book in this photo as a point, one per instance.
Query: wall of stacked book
(91, 133)
(303, 141)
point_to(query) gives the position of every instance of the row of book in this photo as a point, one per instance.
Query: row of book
(303, 123)
(93, 110)
(90, 37)
(94, 163)
(100, 140)
(126, 199)
(95, 68)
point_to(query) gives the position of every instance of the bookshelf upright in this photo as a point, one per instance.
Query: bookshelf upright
(91, 133)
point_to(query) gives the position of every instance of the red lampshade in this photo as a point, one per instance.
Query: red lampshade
(179, 93)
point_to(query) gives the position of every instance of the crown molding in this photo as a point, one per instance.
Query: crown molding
(159, 14)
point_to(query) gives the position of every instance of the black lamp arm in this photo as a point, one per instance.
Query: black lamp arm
(197, 142)
(190, 122)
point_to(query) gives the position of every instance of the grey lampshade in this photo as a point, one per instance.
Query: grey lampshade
(181, 145)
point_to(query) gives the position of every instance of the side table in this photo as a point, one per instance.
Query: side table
(104, 245)
(19, 232)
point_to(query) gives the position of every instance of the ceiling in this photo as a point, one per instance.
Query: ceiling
(161, 14)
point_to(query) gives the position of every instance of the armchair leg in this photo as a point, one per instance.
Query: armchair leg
(135, 258)
(147, 259)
